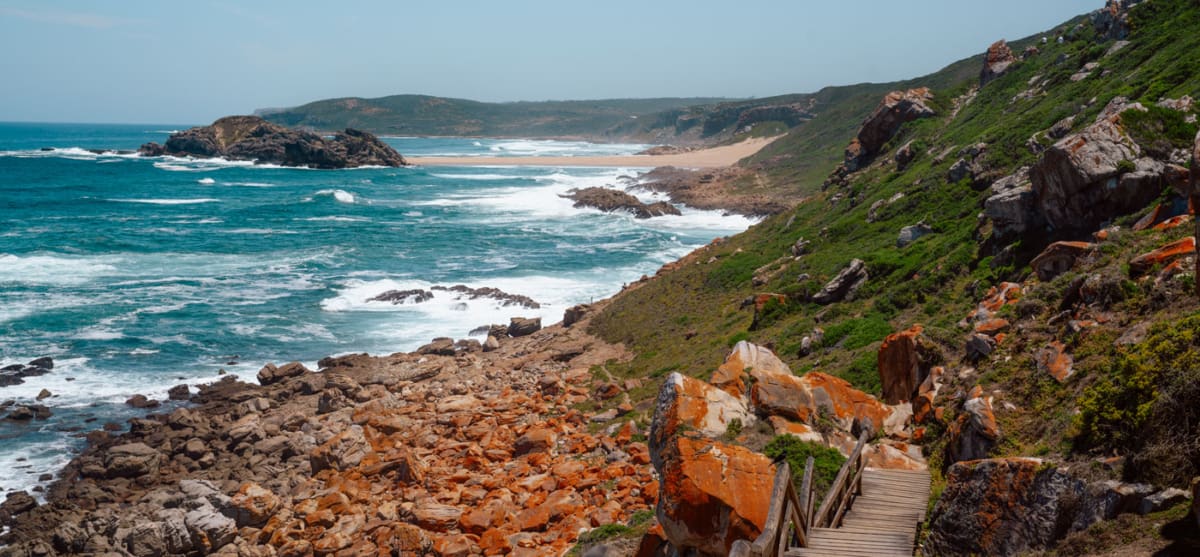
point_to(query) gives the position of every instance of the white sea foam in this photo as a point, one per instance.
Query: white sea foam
(488, 177)
(54, 269)
(335, 218)
(262, 231)
(342, 196)
(250, 184)
(206, 181)
(169, 201)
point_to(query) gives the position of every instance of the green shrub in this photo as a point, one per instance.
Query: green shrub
(826, 461)
(1125, 166)
(857, 333)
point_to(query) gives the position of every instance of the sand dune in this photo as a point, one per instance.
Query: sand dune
(715, 157)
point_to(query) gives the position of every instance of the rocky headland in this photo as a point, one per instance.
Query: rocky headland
(250, 138)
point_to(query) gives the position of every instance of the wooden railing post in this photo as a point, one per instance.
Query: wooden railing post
(842, 489)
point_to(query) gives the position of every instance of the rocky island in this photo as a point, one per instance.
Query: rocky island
(250, 138)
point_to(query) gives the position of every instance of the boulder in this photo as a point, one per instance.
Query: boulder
(904, 361)
(1003, 507)
(1162, 500)
(912, 233)
(209, 529)
(746, 358)
(1059, 258)
(843, 286)
(1164, 255)
(979, 347)
(711, 494)
(254, 505)
(342, 452)
(537, 440)
(850, 409)
(996, 61)
(686, 405)
(896, 109)
(1112, 21)
(1080, 181)
(974, 433)
(270, 374)
(250, 138)
(574, 314)
(905, 155)
(434, 516)
(1055, 361)
(1012, 207)
(441, 346)
(130, 461)
(179, 392)
(520, 326)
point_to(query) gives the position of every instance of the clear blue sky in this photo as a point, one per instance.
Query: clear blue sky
(191, 62)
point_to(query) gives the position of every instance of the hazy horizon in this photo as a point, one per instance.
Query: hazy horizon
(147, 62)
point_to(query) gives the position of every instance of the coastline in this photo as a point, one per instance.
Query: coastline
(715, 157)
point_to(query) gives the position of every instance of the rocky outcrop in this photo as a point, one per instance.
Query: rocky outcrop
(1002, 507)
(1164, 255)
(912, 233)
(251, 138)
(973, 435)
(1084, 178)
(843, 286)
(610, 200)
(1112, 21)
(1012, 207)
(686, 404)
(996, 61)
(1054, 361)
(712, 494)
(790, 114)
(1059, 258)
(896, 109)
(15, 374)
(904, 362)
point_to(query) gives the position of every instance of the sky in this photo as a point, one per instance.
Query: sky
(191, 62)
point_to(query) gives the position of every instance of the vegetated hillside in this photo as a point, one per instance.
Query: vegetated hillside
(438, 116)
(1090, 365)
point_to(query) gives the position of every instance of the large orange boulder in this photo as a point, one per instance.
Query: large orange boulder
(691, 406)
(712, 494)
(747, 360)
(838, 401)
(904, 361)
(1142, 264)
(1054, 360)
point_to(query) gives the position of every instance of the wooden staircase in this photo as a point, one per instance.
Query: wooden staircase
(868, 512)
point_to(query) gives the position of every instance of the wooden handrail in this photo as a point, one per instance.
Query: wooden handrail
(841, 492)
(790, 515)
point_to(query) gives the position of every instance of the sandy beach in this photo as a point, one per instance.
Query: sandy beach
(716, 157)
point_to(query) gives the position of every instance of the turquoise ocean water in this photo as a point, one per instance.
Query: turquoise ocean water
(136, 274)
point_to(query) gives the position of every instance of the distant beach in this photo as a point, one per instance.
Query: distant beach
(716, 157)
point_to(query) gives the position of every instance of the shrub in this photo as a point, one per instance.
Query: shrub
(826, 461)
(1150, 404)
(1125, 166)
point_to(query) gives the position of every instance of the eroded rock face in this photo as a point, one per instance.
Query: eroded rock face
(1003, 507)
(1013, 205)
(975, 432)
(687, 405)
(896, 109)
(996, 61)
(252, 138)
(1078, 183)
(1112, 21)
(905, 359)
(712, 494)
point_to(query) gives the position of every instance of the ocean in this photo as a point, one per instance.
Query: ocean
(137, 274)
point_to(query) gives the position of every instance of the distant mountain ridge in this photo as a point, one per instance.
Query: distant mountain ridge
(679, 120)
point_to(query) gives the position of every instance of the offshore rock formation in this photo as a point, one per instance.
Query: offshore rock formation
(251, 138)
(610, 200)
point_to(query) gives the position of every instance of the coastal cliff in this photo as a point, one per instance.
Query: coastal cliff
(250, 138)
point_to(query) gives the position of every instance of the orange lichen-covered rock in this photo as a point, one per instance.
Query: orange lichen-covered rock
(745, 358)
(992, 327)
(693, 406)
(1142, 264)
(840, 402)
(254, 505)
(1173, 222)
(653, 543)
(778, 394)
(712, 494)
(975, 432)
(802, 431)
(1004, 506)
(904, 361)
(1055, 360)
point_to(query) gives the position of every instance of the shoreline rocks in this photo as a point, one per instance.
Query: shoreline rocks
(610, 200)
(250, 138)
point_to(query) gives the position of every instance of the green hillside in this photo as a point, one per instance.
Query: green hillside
(686, 318)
